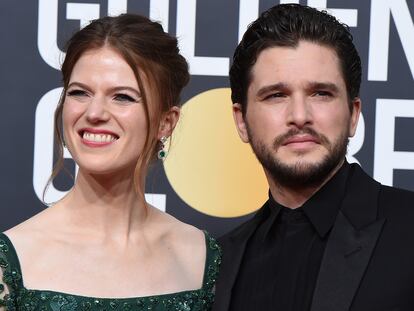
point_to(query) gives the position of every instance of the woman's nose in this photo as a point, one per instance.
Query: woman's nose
(97, 110)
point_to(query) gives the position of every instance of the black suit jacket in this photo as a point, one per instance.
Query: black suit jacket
(368, 263)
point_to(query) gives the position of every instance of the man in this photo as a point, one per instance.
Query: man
(329, 238)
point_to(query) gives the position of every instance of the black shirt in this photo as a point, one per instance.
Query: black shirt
(282, 258)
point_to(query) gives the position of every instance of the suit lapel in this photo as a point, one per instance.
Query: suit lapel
(233, 247)
(346, 257)
(350, 245)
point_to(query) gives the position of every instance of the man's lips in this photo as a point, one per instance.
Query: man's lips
(301, 139)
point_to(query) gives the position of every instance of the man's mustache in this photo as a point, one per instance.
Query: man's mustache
(281, 139)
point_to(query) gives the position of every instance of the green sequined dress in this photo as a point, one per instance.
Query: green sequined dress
(15, 297)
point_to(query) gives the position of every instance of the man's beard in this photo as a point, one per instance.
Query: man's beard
(301, 174)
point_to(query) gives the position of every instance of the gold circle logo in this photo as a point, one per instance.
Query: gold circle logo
(208, 165)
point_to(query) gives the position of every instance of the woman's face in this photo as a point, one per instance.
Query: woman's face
(104, 118)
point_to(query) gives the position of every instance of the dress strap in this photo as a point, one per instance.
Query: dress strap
(213, 260)
(9, 264)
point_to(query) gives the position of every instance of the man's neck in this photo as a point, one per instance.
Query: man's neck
(294, 197)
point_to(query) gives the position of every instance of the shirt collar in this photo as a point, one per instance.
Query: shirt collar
(322, 208)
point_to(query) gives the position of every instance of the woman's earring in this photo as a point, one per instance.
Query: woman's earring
(162, 153)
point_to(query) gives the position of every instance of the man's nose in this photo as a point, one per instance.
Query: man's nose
(299, 112)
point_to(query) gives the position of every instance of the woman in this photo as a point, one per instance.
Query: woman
(102, 247)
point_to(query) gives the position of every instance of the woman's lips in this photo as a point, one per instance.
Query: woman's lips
(97, 137)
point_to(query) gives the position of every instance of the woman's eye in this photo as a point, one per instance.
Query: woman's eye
(124, 98)
(76, 93)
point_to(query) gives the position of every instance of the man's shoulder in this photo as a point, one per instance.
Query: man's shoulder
(396, 192)
(386, 193)
(389, 199)
(396, 199)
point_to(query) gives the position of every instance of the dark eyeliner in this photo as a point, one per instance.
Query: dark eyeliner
(124, 97)
(75, 93)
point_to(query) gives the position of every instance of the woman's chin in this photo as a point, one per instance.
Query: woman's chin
(106, 171)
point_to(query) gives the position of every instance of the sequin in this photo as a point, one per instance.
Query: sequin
(113, 304)
(86, 305)
(3, 263)
(44, 296)
(126, 306)
(3, 246)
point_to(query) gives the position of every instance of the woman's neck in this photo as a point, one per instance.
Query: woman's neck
(106, 204)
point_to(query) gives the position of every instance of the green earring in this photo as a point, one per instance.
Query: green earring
(162, 153)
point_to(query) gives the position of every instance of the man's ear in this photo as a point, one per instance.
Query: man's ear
(356, 111)
(168, 122)
(240, 122)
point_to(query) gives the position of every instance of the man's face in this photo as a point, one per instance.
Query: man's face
(298, 119)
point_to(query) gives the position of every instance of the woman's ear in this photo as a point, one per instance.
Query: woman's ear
(168, 122)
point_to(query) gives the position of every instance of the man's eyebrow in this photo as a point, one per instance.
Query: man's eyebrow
(272, 87)
(324, 86)
(281, 86)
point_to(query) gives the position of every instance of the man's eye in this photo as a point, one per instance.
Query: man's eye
(275, 95)
(124, 98)
(323, 93)
(76, 93)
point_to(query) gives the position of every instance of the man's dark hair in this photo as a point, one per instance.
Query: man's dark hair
(285, 25)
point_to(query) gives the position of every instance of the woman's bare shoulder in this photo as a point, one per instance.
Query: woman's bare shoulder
(185, 240)
(182, 234)
(187, 243)
(26, 234)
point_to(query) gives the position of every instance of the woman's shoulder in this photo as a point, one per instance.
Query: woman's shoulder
(35, 224)
(29, 240)
(25, 234)
(178, 234)
(195, 248)
(183, 235)
(199, 252)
